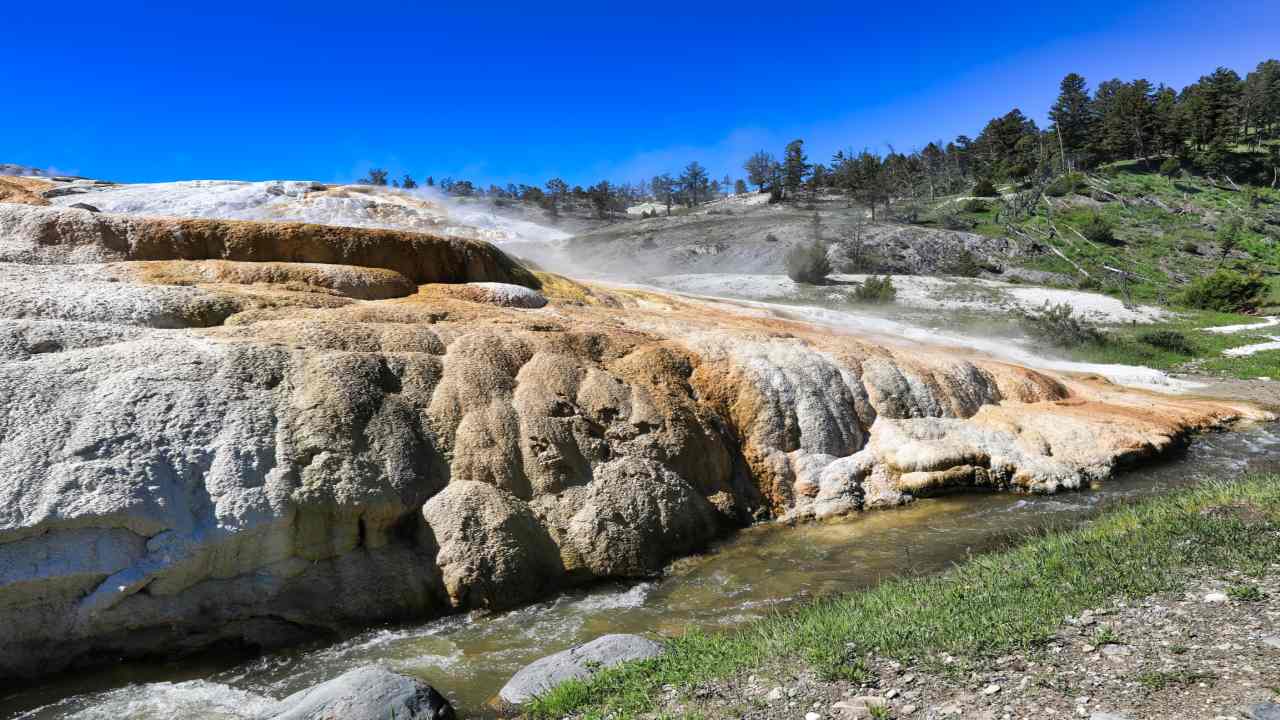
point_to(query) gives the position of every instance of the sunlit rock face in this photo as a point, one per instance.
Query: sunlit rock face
(253, 432)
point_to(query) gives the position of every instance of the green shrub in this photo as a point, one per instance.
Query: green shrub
(1065, 185)
(984, 188)
(1058, 325)
(1225, 291)
(1171, 167)
(1170, 340)
(1099, 230)
(973, 205)
(964, 265)
(878, 290)
(808, 263)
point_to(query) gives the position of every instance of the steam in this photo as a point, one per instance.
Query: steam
(893, 332)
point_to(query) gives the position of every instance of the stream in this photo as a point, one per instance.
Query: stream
(744, 577)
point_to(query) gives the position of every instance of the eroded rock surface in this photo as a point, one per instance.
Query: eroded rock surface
(264, 433)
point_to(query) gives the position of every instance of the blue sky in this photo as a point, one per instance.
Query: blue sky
(505, 92)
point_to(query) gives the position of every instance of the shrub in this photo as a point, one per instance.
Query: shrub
(1170, 340)
(771, 238)
(1225, 291)
(1065, 185)
(984, 188)
(1058, 325)
(964, 265)
(1190, 247)
(1171, 167)
(1098, 230)
(807, 263)
(973, 205)
(878, 290)
(953, 220)
(1089, 284)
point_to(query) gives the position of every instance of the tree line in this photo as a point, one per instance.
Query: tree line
(1202, 125)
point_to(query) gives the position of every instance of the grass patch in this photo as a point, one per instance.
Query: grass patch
(993, 604)
(1157, 680)
(1183, 343)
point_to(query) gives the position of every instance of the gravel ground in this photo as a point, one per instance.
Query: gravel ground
(1212, 652)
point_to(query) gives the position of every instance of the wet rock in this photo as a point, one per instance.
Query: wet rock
(576, 662)
(367, 693)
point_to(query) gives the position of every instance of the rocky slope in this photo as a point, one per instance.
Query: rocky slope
(245, 432)
(741, 235)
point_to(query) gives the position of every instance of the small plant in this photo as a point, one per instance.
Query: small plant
(1058, 325)
(965, 265)
(1156, 680)
(1105, 636)
(1065, 185)
(1170, 340)
(1098, 230)
(1171, 167)
(1225, 291)
(1246, 593)
(985, 188)
(974, 205)
(879, 712)
(1190, 247)
(876, 290)
(807, 263)
(771, 238)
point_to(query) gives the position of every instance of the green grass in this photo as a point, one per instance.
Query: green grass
(1129, 345)
(1157, 680)
(990, 605)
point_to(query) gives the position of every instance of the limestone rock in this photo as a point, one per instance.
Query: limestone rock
(367, 693)
(60, 235)
(493, 551)
(577, 662)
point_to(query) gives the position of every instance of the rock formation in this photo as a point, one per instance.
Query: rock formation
(219, 431)
(577, 662)
(366, 693)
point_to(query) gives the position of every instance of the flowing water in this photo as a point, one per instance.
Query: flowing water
(744, 577)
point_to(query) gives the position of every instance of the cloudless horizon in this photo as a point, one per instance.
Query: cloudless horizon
(147, 92)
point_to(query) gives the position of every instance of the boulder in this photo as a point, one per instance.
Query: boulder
(493, 551)
(577, 662)
(366, 693)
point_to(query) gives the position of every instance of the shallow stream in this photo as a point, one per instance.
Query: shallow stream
(742, 578)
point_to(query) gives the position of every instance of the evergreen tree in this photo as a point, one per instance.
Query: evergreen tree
(1072, 120)
(693, 184)
(795, 167)
(376, 176)
(740, 187)
(664, 190)
(760, 168)
(408, 183)
(557, 191)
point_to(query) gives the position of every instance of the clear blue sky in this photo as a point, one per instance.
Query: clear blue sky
(499, 92)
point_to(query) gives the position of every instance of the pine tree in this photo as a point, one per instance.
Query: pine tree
(1072, 120)
(664, 190)
(408, 183)
(693, 184)
(759, 169)
(740, 187)
(795, 167)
